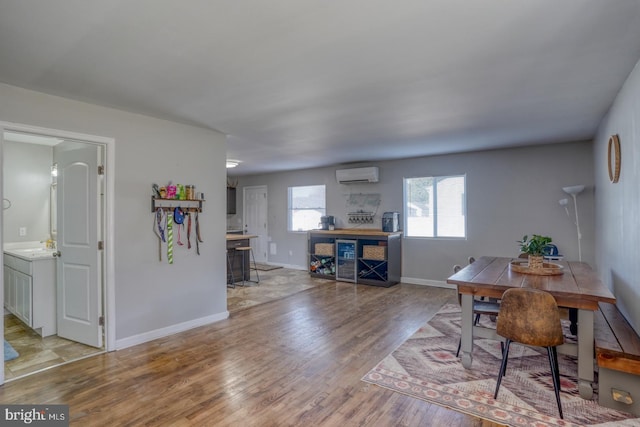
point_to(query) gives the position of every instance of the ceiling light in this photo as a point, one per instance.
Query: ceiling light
(232, 163)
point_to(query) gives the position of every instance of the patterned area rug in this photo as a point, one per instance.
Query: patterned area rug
(426, 367)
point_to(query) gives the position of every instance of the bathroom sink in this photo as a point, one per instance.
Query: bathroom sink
(31, 252)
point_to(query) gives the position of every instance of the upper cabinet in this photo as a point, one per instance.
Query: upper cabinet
(231, 200)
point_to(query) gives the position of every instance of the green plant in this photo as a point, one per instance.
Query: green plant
(535, 245)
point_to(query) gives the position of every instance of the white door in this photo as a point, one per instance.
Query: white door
(79, 296)
(255, 220)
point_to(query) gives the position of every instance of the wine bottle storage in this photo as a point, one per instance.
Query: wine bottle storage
(369, 257)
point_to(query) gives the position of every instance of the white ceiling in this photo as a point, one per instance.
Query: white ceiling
(304, 83)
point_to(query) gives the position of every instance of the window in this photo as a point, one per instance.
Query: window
(306, 206)
(435, 206)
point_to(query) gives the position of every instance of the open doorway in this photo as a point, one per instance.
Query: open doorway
(53, 233)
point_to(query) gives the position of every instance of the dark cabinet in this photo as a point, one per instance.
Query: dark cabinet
(231, 200)
(369, 257)
(234, 265)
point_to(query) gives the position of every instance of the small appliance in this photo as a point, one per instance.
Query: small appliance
(327, 222)
(390, 222)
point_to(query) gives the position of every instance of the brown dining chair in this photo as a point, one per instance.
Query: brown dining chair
(531, 317)
(480, 307)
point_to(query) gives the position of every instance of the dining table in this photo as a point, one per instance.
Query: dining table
(574, 285)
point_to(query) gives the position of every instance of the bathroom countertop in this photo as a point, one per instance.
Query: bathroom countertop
(29, 251)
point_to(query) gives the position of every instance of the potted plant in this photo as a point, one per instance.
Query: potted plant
(535, 248)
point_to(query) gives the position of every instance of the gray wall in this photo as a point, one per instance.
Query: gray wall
(150, 295)
(510, 193)
(618, 205)
(26, 183)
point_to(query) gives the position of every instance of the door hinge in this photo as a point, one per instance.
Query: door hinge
(101, 321)
(100, 245)
(101, 170)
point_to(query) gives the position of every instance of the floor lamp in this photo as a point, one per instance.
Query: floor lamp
(574, 190)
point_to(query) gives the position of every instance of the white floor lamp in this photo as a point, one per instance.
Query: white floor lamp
(574, 190)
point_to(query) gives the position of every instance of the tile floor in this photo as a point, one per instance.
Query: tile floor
(274, 284)
(37, 353)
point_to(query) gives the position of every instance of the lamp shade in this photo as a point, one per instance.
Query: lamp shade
(574, 189)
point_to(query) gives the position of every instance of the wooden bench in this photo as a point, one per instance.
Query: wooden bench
(617, 348)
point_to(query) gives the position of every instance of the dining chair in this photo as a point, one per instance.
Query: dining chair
(480, 307)
(531, 317)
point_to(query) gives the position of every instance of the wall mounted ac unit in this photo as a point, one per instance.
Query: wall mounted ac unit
(357, 175)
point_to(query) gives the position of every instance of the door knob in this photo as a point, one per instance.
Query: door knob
(57, 254)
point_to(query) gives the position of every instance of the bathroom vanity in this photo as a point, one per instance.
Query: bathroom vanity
(30, 287)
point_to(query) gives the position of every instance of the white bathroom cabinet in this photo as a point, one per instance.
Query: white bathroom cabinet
(30, 292)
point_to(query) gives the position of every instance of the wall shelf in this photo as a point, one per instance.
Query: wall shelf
(171, 204)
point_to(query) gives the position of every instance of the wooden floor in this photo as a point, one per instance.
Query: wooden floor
(290, 362)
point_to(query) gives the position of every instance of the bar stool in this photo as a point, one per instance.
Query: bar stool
(230, 273)
(244, 250)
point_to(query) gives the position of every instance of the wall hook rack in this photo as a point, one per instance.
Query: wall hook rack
(171, 204)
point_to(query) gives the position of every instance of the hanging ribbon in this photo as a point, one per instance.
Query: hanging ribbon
(198, 238)
(170, 239)
(189, 231)
(157, 228)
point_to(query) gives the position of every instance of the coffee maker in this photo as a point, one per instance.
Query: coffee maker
(327, 222)
(391, 222)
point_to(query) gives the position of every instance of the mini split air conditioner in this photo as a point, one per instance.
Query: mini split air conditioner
(357, 175)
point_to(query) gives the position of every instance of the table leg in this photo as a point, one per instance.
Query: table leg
(585, 353)
(467, 331)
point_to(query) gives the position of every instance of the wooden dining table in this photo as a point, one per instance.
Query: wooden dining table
(577, 287)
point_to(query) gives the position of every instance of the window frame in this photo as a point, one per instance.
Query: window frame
(291, 209)
(436, 179)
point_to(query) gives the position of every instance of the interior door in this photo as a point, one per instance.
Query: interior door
(79, 296)
(255, 220)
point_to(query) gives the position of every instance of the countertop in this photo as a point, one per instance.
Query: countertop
(356, 232)
(240, 236)
(29, 251)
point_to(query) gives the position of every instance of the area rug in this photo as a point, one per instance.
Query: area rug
(266, 267)
(426, 367)
(10, 353)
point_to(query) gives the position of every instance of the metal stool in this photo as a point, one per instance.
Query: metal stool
(244, 250)
(230, 273)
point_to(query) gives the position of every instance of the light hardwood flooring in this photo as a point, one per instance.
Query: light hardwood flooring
(292, 361)
(37, 353)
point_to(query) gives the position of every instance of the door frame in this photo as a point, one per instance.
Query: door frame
(108, 272)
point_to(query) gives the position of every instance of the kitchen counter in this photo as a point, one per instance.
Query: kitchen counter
(237, 263)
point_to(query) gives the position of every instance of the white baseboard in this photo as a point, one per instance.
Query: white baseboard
(169, 330)
(427, 282)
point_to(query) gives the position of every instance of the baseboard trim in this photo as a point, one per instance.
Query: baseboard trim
(169, 330)
(427, 282)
